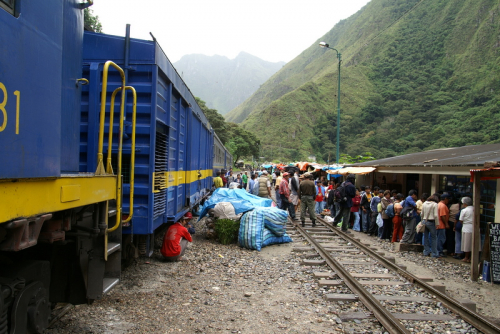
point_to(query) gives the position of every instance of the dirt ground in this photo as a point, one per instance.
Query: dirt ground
(233, 290)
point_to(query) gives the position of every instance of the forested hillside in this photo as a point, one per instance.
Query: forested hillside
(416, 75)
(225, 83)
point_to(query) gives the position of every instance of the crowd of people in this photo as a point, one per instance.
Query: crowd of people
(439, 222)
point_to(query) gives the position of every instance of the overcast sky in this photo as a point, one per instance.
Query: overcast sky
(273, 30)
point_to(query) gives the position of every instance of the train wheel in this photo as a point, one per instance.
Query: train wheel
(24, 299)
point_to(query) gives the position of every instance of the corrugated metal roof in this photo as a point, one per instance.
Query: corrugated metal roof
(444, 157)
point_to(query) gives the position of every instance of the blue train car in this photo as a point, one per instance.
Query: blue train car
(174, 141)
(219, 156)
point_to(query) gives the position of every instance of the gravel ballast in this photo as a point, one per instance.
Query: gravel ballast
(233, 290)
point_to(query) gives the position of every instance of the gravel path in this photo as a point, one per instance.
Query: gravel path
(233, 290)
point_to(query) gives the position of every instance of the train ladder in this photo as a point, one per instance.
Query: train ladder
(100, 163)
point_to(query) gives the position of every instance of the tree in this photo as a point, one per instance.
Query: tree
(347, 159)
(92, 21)
(216, 120)
(242, 143)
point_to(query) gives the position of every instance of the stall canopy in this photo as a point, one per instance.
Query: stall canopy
(486, 174)
(352, 170)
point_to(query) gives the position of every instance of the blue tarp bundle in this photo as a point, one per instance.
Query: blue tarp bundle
(239, 198)
(262, 227)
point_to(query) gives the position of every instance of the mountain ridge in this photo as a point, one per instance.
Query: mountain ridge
(224, 83)
(416, 71)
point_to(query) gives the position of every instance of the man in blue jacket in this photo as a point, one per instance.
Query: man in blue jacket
(409, 223)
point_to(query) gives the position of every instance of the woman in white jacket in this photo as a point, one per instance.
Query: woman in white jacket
(430, 218)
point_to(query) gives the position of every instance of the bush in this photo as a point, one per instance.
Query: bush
(227, 230)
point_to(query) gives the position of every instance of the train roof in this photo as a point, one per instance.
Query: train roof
(142, 52)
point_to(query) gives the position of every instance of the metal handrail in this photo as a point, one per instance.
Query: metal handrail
(100, 166)
(132, 161)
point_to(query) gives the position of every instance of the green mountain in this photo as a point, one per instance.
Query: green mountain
(415, 75)
(224, 83)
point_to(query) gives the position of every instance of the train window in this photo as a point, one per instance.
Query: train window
(8, 5)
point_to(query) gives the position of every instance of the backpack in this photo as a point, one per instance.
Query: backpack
(294, 185)
(339, 192)
(331, 197)
(407, 213)
(389, 211)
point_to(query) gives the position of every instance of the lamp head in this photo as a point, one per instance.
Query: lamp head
(323, 44)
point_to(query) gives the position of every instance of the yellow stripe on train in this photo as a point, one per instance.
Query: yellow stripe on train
(30, 197)
(163, 180)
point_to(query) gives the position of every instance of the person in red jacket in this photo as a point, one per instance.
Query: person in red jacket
(176, 239)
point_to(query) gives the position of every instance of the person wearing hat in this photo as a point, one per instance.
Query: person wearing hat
(307, 193)
(467, 220)
(176, 239)
(264, 185)
(444, 214)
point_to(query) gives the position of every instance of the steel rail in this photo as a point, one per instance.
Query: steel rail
(473, 318)
(386, 318)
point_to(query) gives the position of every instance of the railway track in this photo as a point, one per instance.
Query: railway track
(353, 264)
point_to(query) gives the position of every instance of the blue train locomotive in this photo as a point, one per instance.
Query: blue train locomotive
(101, 142)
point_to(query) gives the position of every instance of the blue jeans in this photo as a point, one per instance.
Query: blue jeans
(278, 199)
(366, 220)
(319, 207)
(356, 226)
(430, 239)
(441, 238)
(458, 242)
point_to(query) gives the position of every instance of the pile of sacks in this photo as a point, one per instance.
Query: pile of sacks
(260, 224)
(263, 227)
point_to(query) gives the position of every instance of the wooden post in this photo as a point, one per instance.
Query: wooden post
(476, 234)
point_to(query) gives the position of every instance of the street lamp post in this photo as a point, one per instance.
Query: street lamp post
(325, 45)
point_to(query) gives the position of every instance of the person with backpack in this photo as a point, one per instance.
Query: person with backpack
(387, 227)
(356, 202)
(344, 195)
(307, 193)
(409, 214)
(366, 197)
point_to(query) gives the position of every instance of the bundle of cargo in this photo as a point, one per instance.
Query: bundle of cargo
(263, 227)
